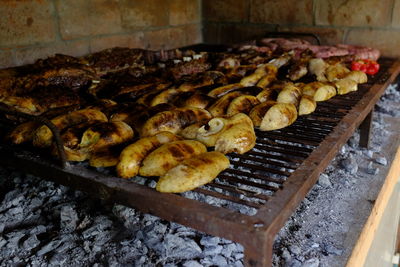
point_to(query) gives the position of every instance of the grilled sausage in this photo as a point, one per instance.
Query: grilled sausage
(169, 155)
(132, 156)
(23, 133)
(193, 172)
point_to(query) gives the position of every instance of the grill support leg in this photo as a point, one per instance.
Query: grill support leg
(365, 130)
(258, 250)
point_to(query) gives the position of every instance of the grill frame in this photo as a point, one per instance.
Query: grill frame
(257, 232)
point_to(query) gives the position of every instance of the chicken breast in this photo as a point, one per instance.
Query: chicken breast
(193, 172)
(169, 155)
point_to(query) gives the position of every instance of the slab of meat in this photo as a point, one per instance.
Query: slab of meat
(361, 52)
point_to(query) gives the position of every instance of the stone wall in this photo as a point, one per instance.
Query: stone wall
(375, 23)
(31, 29)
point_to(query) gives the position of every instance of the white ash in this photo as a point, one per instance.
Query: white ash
(42, 223)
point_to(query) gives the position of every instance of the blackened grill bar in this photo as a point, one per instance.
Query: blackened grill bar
(268, 182)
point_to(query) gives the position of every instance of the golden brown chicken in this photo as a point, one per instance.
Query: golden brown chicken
(43, 135)
(234, 134)
(193, 172)
(174, 120)
(169, 155)
(132, 156)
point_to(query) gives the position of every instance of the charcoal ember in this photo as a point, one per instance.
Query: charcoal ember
(324, 180)
(30, 243)
(153, 234)
(37, 230)
(192, 263)
(219, 261)
(371, 169)
(293, 263)
(126, 214)
(210, 241)
(286, 255)
(179, 248)
(212, 250)
(294, 249)
(99, 228)
(381, 160)
(330, 249)
(350, 164)
(238, 264)
(68, 218)
(52, 245)
(2, 242)
(228, 250)
(58, 259)
(313, 262)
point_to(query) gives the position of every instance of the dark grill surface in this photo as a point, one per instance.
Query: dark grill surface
(250, 201)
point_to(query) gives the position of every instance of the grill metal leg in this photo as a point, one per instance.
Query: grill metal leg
(365, 130)
(258, 251)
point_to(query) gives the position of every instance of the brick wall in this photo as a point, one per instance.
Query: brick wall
(31, 29)
(375, 23)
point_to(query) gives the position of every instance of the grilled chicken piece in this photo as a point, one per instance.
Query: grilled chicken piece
(221, 105)
(357, 76)
(106, 157)
(290, 94)
(252, 79)
(317, 67)
(298, 70)
(307, 105)
(257, 113)
(234, 134)
(193, 172)
(190, 132)
(132, 156)
(105, 134)
(345, 86)
(267, 94)
(165, 96)
(23, 133)
(269, 77)
(223, 90)
(281, 61)
(194, 100)
(137, 115)
(169, 155)
(43, 135)
(242, 104)
(319, 91)
(99, 137)
(336, 72)
(174, 120)
(278, 116)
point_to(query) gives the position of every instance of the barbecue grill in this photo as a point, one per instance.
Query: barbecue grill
(249, 202)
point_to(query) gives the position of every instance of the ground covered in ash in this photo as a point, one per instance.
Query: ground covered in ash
(44, 224)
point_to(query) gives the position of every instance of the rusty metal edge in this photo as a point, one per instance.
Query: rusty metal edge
(280, 207)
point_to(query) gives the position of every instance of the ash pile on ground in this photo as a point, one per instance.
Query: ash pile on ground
(43, 224)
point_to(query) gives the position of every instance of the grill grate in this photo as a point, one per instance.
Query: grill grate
(250, 201)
